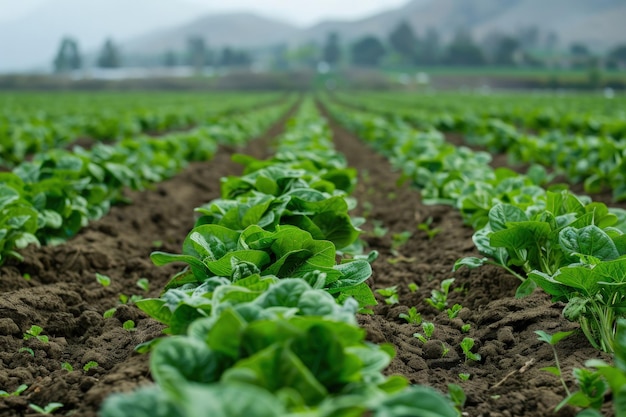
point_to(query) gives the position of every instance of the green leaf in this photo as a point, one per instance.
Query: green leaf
(554, 338)
(471, 262)
(589, 240)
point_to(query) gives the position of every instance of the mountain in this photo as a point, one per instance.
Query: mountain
(32, 41)
(228, 29)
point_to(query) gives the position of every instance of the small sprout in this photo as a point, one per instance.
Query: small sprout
(89, 365)
(454, 311)
(466, 327)
(552, 340)
(439, 299)
(125, 299)
(26, 277)
(413, 287)
(67, 366)
(466, 345)
(464, 376)
(35, 332)
(129, 325)
(15, 393)
(390, 294)
(457, 396)
(103, 280)
(143, 283)
(412, 316)
(27, 350)
(367, 208)
(48, 409)
(379, 229)
(444, 350)
(157, 244)
(429, 329)
(425, 227)
(399, 239)
(392, 196)
(109, 313)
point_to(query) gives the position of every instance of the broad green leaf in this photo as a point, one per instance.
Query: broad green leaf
(589, 240)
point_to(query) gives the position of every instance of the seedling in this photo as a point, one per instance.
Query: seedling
(412, 316)
(143, 283)
(425, 227)
(457, 396)
(157, 244)
(48, 409)
(367, 208)
(466, 328)
(35, 332)
(413, 287)
(103, 280)
(439, 299)
(466, 345)
(109, 313)
(26, 277)
(552, 340)
(129, 325)
(125, 299)
(89, 365)
(15, 393)
(464, 376)
(379, 229)
(399, 239)
(27, 350)
(429, 329)
(67, 366)
(454, 311)
(444, 350)
(391, 196)
(390, 294)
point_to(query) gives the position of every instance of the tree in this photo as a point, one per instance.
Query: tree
(170, 59)
(368, 51)
(430, 48)
(109, 56)
(331, 53)
(404, 41)
(463, 51)
(617, 56)
(68, 57)
(507, 47)
(198, 55)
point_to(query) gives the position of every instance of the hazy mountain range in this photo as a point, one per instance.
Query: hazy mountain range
(154, 26)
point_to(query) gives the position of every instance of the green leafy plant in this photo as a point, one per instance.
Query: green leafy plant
(464, 376)
(457, 395)
(439, 299)
(103, 280)
(67, 366)
(129, 325)
(27, 350)
(35, 332)
(109, 313)
(89, 365)
(412, 316)
(429, 329)
(143, 283)
(466, 328)
(454, 311)
(48, 409)
(15, 393)
(552, 340)
(466, 346)
(595, 294)
(390, 294)
(425, 226)
(413, 287)
(398, 240)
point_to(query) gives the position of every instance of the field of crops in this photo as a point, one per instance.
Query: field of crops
(345, 255)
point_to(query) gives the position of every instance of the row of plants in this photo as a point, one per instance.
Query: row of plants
(571, 247)
(47, 200)
(595, 159)
(31, 123)
(576, 114)
(262, 319)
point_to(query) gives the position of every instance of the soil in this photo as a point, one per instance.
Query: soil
(62, 295)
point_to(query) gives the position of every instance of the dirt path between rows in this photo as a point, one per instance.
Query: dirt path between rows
(63, 296)
(508, 381)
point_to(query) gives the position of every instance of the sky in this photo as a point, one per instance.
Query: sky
(299, 12)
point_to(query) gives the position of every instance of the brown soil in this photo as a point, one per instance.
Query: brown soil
(62, 294)
(63, 297)
(508, 381)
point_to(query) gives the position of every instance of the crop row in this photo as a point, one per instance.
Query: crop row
(263, 317)
(571, 247)
(47, 200)
(29, 124)
(595, 158)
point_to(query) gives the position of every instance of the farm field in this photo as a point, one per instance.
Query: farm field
(434, 178)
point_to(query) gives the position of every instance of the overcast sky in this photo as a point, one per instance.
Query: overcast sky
(296, 11)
